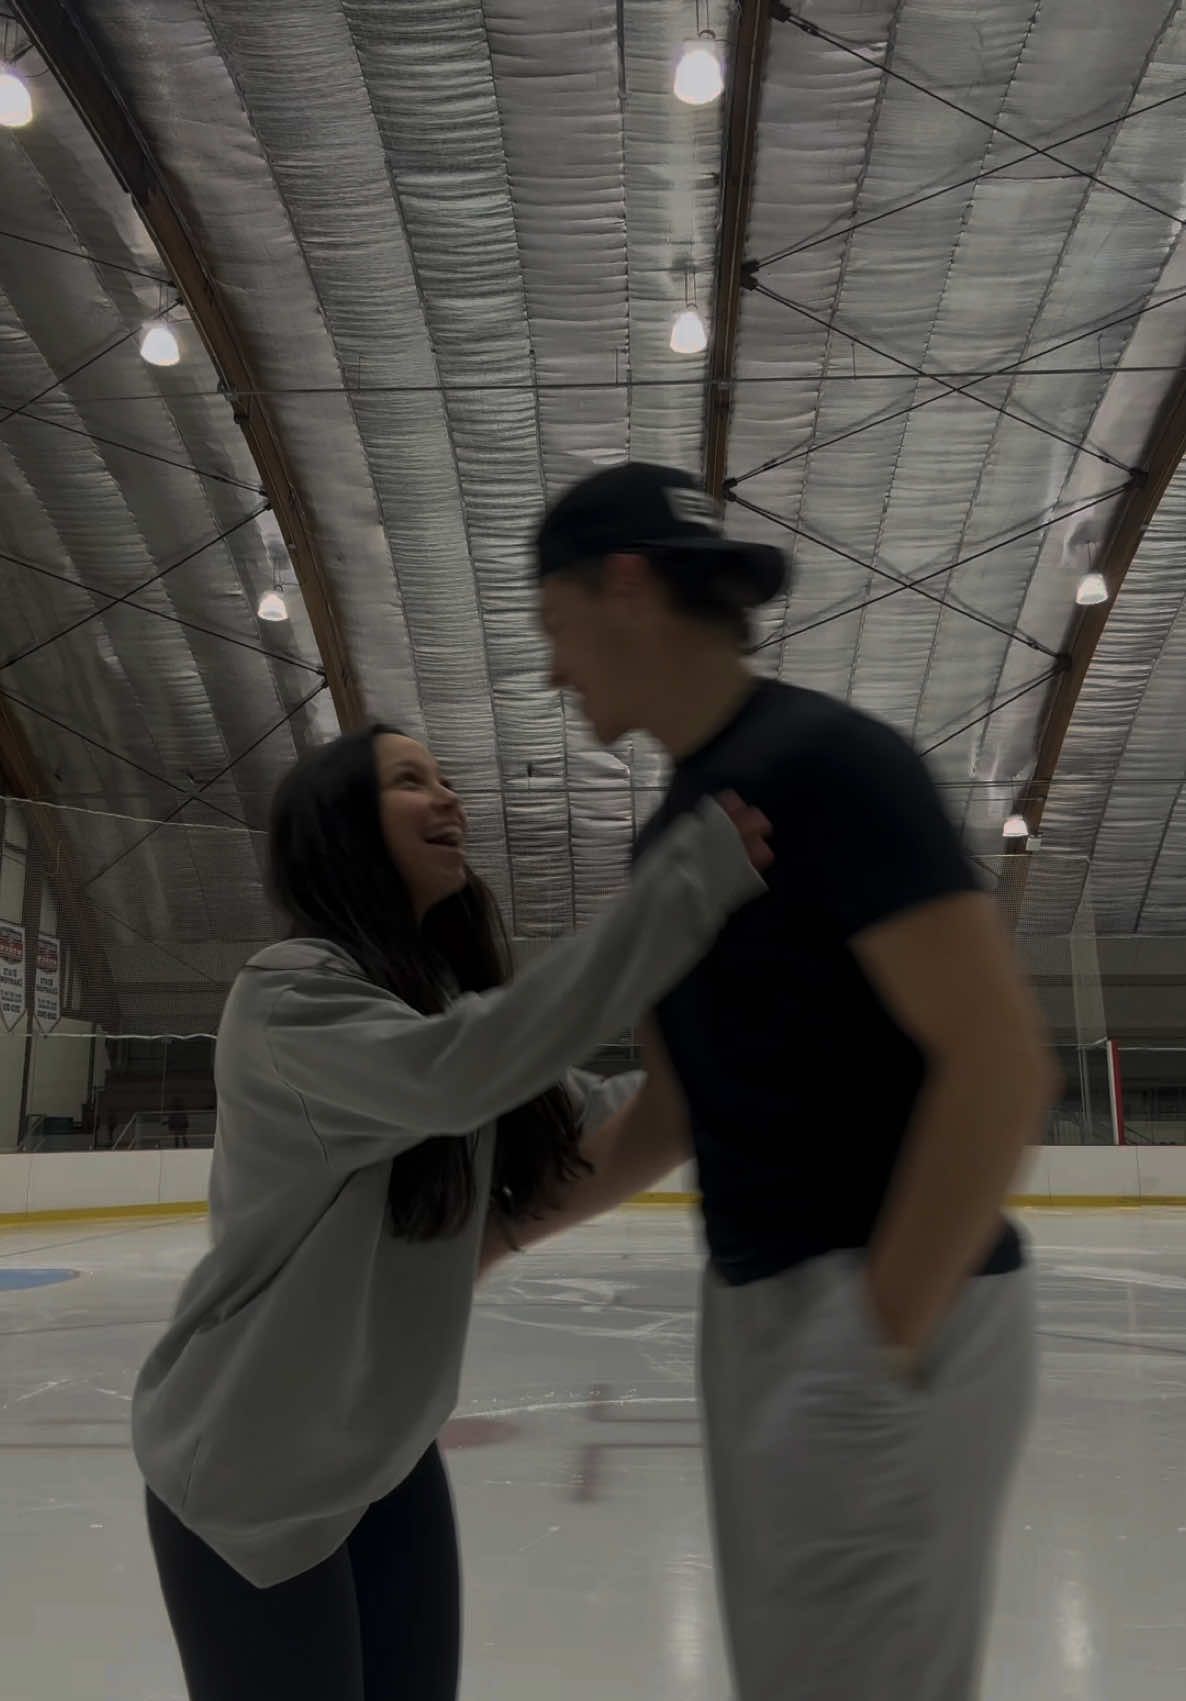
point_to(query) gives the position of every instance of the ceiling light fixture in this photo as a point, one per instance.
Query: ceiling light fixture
(1016, 827)
(16, 103)
(700, 75)
(272, 606)
(158, 345)
(688, 334)
(1093, 590)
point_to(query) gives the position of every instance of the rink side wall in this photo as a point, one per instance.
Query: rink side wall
(39, 1186)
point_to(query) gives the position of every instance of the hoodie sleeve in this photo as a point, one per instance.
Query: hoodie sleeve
(375, 1076)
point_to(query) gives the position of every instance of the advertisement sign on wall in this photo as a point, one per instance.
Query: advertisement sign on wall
(48, 1006)
(12, 973)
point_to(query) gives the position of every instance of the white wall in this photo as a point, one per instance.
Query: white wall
(12, 867)
(12, 1063)
(1049, 1173)
(58, 1074)
(59, 1070)
(1143, 1173)
(68, 1181)
(32, 1182)
(12, 1045)
(60, 1064)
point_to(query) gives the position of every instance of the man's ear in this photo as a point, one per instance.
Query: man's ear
(627, 576)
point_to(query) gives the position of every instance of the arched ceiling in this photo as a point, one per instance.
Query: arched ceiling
(448, 240)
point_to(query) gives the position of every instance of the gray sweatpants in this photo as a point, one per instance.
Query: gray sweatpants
(855, 1515)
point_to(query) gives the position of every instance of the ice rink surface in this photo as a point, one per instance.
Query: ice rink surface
(576, 1465)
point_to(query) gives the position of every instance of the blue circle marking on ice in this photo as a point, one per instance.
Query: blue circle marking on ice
(14, 1281)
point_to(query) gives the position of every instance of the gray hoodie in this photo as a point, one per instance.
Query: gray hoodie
(314, 1356)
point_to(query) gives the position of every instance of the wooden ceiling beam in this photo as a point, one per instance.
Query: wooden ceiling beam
(1163, 455)
(76, 63)
(743, 95)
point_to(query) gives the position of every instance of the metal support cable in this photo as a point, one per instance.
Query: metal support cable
(1041, 526)
(65, 377)
(79, 254)
(214, 779)
(204, 473)
(1079, 445)
(963, 182)
(1042, 679)
(944, 395)
(784, 15)
(921, 199)
(159, 614)
(1014, 634)
(116, 602)
(596, 386)
(148, 939)
(106, 750)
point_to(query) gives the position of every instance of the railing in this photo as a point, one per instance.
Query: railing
(1069, 1126)
(149, 1130)
(1138, 1132)
(54, 1134)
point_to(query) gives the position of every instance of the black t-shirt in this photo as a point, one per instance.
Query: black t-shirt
(800, 1084)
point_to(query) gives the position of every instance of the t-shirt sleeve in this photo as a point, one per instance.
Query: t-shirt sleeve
(871, 836)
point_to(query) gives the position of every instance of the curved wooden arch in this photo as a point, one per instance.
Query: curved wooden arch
(1162, 457)
(78, 67)
(747, 70)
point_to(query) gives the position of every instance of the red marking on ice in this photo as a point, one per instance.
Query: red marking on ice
(603, 1409)
(477, 1432)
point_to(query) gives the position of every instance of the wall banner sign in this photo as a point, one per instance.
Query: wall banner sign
(48, 1005)
(12, 973)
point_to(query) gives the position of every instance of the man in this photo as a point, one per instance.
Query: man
(858, 1066)
(178, 1124)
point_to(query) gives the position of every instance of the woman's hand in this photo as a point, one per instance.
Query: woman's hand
(752, 826)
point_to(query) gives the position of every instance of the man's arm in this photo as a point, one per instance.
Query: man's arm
(636, 1147)
(947, 973)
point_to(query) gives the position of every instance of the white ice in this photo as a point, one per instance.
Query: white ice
(577, 1471)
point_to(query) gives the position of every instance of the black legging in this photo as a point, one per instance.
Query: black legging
(378, 1621)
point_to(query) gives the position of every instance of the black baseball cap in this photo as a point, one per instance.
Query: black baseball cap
(638, 506)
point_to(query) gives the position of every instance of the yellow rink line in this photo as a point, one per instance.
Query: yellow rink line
(646, 1201)
(1021, 1202)
(100, 1214)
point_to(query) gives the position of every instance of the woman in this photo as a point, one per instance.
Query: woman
(376, 1084)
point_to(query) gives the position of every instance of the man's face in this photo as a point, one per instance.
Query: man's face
(592, 647)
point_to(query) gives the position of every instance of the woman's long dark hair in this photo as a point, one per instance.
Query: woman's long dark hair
(334, 878)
